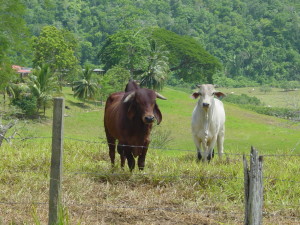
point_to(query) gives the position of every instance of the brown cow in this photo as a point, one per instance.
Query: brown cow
(128, 118)
(131, 86)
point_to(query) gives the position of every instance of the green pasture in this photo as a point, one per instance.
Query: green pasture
(276, 97)
(172, 178)
(243, 128)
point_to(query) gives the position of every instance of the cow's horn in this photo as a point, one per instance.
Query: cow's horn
(160, 96)
(129, 97)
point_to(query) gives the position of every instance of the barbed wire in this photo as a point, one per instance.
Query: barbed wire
(173, 149)
(23, 203)
(282, 180)
(28, 138)
(175, 176)
(151, 147)
(155, 175)
(286, 205)
(169, 209)
(212, 211)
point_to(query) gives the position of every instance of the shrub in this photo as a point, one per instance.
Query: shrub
(265, 89)
(242, 99)
(28, 104)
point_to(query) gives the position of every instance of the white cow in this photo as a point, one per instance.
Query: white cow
(208, 122)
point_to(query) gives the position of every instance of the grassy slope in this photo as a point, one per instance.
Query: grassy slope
(275, 98)
(243, 128)
(217, 187)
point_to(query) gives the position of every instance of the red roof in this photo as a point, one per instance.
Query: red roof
(21, 69)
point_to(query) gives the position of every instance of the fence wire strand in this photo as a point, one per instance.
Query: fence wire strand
(151, 147)
(106, 206)
(155, 175)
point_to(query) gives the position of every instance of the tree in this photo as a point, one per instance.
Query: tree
(55, 47)
(24, 99)
(43, 84)
(12, 26)
(6, 75)
(86, 88)
(125, 48)
(158, 67)
(187, 58)
(12, 33)
(114, 80)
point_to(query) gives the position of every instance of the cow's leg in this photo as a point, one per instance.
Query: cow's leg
(130, 159)
(210, 147)
(142, 157)
(197, 142)
(112, 146)
(220, 143)
(205, 151)
(211, 155)
(122, 155)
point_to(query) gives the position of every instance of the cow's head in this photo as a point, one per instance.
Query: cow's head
(142, 103)
(206, 93)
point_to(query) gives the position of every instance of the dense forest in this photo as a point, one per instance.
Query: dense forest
(252, 38)
(247, 41)
(232, 43)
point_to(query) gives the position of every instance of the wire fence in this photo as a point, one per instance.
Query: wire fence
(103, 141)
(211, 211)
(161, 176)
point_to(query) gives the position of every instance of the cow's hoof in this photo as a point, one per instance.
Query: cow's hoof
(199, 156)
(210, 156)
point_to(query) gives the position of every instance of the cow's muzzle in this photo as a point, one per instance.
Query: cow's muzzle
(205, 105)
(149, 119)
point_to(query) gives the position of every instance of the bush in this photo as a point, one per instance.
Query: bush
(242, 99)
(160, 138)
(265, 89)
(114, 80)
(290, 85)
(222, 81)
(291, 114)
(28, 104)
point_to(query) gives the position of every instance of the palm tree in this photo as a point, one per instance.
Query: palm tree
(85, 88)
(43, 84)
(158, 69)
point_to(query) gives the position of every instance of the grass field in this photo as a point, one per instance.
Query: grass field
(173, 189)
(276, 97)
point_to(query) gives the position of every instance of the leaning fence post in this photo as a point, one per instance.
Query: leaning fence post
(56, 161)
(253, 189)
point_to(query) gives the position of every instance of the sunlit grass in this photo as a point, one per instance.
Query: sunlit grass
(172, 179)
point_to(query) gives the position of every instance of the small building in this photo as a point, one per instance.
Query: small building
(99, 71)
(23, 71)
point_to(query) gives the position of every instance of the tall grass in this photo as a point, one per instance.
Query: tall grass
(173, 189)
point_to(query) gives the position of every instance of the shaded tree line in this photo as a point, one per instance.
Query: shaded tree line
(255, 39)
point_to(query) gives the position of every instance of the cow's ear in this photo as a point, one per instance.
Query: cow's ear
(157, 114)
(195, 95)
(219, 95)
(131, 111)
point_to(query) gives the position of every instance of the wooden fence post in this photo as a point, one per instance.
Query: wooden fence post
(253, 189)
(56, 161)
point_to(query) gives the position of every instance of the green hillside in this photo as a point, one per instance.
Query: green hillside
(243, 128)
(254, 39)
